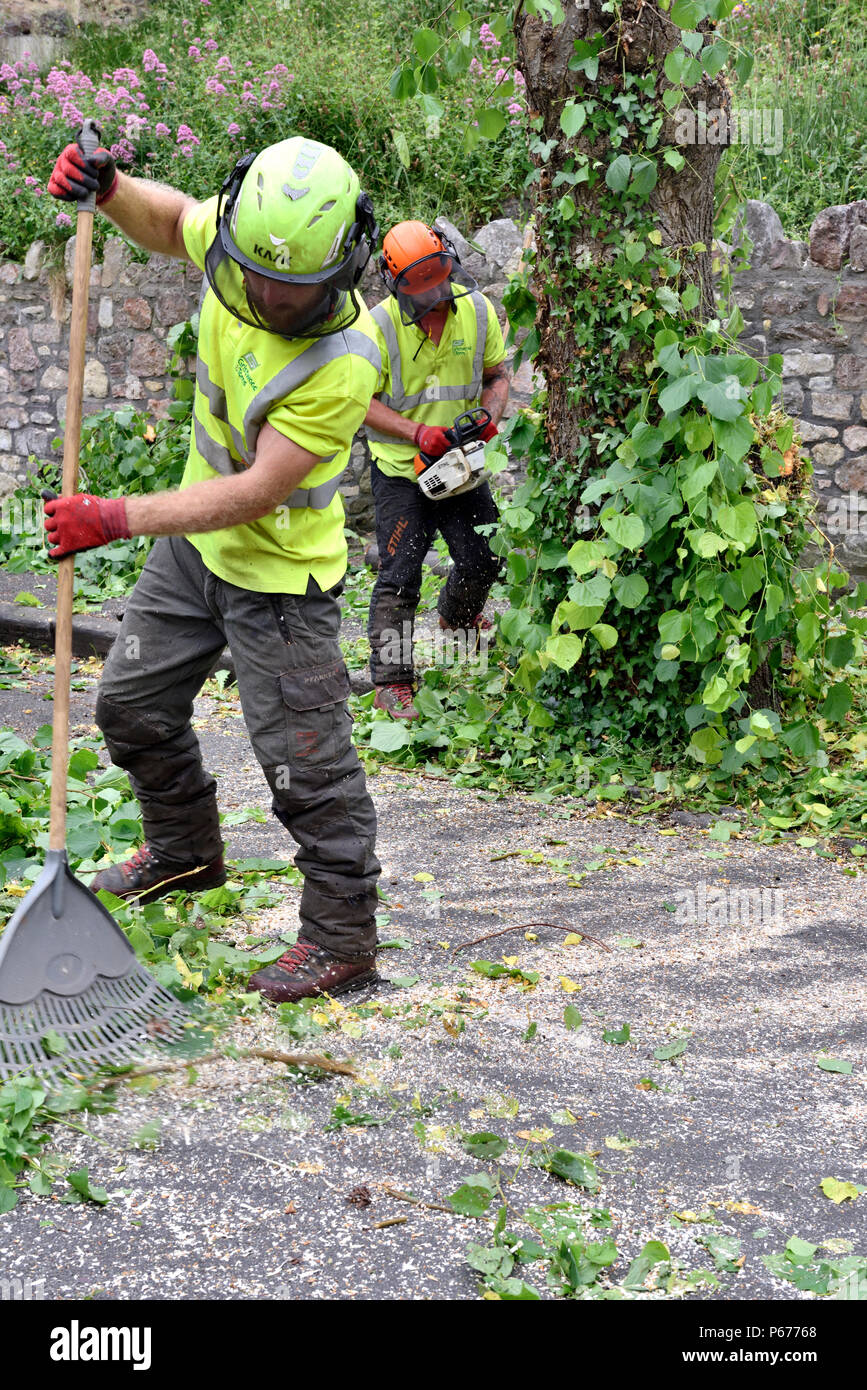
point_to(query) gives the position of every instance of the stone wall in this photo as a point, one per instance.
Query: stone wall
(132, 306)
(806, 300)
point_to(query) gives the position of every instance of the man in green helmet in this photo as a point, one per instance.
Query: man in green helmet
(251, 550)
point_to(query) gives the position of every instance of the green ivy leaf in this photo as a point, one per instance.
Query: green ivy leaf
(387, 736)
(715, 57)
(572, 118)
(837, 703)
(572, 1167)
(834, 1064)
(644, 176)
(564, 651)
(605, 635)
(626, 530)
(484, 1144)
(474, 1196)
(617, 173)
(678, 392)
(492, 122)
(80, 1183)
(630, 590)
(617, 1036)
(687, 14)
(402, 83)
(426, 43)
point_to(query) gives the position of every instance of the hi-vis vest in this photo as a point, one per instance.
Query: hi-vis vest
(317, 393)
(431, 383)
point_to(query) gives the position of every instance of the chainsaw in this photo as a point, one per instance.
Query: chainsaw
(463, 467)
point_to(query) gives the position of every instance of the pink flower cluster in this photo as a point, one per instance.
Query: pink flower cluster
(151, 63)
(495, 74)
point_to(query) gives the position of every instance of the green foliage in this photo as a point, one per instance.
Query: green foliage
(654, 578)
(27, 1105)
(183, 943)
(212, 89)
(802, 1265)
(811, 70)
(122, 453)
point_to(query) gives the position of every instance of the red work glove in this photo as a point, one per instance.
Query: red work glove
(433, 441)
(83, 522)
(74, 177)
(489, 432)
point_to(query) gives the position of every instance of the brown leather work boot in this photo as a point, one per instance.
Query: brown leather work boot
(396, 700)
(146, 877)
(310, 969)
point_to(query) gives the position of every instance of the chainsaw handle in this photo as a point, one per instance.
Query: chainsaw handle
(477, 421)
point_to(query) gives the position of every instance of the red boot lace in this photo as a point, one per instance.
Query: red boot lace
(403, 693)
(140, 860)
(296, 957)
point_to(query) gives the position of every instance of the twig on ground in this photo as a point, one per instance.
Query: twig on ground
(417, 1201)
(266, 1054)
(392, 1221)
(526, 926)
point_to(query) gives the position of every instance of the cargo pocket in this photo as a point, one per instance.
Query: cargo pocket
(316, 717)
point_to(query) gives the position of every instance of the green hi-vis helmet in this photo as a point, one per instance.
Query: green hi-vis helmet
(294, 233)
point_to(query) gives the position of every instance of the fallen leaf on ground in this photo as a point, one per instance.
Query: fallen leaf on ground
(839, 1191)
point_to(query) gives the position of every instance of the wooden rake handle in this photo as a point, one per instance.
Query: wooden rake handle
(88, 140)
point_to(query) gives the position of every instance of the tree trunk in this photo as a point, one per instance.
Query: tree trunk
(681, 204)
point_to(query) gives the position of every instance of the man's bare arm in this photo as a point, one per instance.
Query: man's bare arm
(387, 421)
(151, 213)
(211, 505)
(495, 390)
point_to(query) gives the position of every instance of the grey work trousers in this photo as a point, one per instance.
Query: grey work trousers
(293, 686)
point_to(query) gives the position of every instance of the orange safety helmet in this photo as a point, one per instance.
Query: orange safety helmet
(416, 261)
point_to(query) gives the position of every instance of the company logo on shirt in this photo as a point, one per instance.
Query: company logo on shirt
(245, 367)
(460, 347)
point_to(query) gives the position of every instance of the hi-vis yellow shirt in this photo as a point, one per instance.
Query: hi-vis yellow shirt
(431, 382)
(316, 392)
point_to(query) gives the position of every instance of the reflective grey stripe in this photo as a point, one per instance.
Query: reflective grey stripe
(385, 322)
(218, 406)
(316, 497)
(481, 338)
(217, 455)
(220, 458)
(350, 342)
(213, 394)
(399, 400)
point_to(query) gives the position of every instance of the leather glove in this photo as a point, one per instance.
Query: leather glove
(74, 177)
(489, 432)
(83, 522)
(433, 441)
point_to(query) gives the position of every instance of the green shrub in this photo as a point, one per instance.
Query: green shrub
(186, 92)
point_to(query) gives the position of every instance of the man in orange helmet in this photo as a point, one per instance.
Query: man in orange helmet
(442, 354)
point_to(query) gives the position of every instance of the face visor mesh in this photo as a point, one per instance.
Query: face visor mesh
(276, 302)
(435, 279)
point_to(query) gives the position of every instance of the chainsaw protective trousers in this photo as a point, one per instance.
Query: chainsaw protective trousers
(293, 686)
(406, 523)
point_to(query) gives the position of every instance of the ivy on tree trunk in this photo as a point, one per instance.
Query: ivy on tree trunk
(573, 348)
